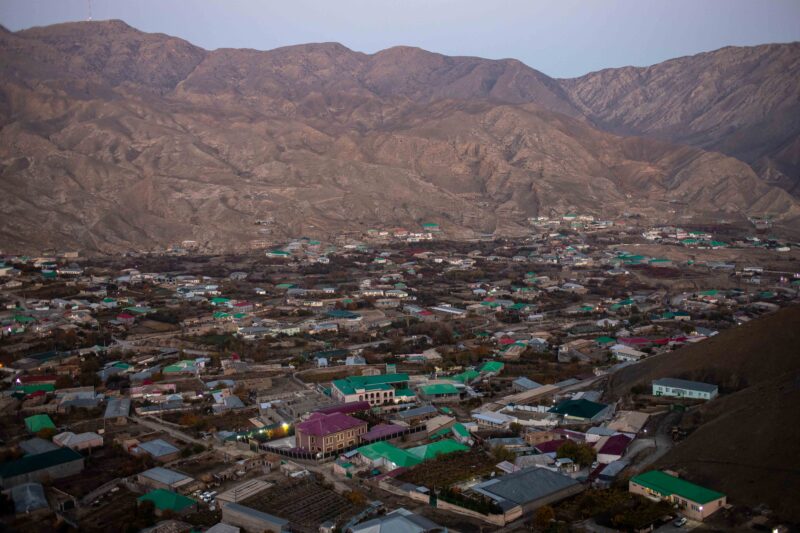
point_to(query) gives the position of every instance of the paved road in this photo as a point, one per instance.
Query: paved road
(660, 439)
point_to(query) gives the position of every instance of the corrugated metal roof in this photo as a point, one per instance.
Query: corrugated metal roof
(526, 485)
(685, 384)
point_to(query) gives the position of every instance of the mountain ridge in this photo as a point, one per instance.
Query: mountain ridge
(145, 140)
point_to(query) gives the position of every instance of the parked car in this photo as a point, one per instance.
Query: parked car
(680, 522)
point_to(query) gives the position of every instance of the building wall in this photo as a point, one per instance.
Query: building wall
(331, 442)
(530, 507)
(249, 523)
(690, 509)
(660, 390)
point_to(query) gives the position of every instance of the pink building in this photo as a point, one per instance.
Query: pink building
(329, 432)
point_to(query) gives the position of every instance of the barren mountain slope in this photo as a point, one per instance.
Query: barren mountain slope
(114, 139)
(742, 101)
(744, 442)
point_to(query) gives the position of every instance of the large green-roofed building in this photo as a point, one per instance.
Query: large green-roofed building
(440, 391)
(377, 390)
(581, 410)
(435, 449)
(695, 502)
(384, 454)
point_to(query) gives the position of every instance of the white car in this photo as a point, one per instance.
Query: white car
(680, 522)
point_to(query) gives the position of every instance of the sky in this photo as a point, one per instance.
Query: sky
(562, 38)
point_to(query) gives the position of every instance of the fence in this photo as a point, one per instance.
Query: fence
(296, 453)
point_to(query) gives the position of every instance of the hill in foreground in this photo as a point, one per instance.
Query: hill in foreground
(745, 442)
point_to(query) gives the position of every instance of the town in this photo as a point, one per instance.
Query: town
(395, 378)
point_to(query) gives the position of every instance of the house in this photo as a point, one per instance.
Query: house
(56, 464)
(625, 353)
(118, 410)
(524, 384)
(79, 441)
(377, 390)
(29, 499)
(36, 423)
(613, 449)
(522, 492)
(493, 420)
(694, 501)
(681, 388)
(159, 449)
(163, 478)
(329, 432)
(167, 500)
(628, 421)
(440, 392)
(582, 410)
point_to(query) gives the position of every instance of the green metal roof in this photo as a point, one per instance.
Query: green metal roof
(667, 485)
(578, 408)
(439, 389)
(435, 449)
(350, 384)
(166, 500)
(35, 387)
(384, 450)
(492, 366)
(466, 376)
(36, 423)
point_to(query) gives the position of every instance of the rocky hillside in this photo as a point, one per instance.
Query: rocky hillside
(744, 442)
(112, 139)
(742, 101)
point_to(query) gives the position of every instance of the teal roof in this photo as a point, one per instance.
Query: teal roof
(438, 389)
(578, 408)
(667, 485)
(435, 449)
(384, 450)
(492, 366)
(36, 423)
(349, 385)
(166, 500)
(466, 376)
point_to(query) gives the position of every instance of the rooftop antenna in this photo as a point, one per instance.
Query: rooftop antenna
(89, 5)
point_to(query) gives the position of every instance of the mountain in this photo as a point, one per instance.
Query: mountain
(114, 139)
(742, 101)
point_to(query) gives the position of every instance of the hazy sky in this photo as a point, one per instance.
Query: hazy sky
(559, 37)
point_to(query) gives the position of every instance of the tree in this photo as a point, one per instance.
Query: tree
(516, 428)
(582, 454)
(543, 516)
(501, 453)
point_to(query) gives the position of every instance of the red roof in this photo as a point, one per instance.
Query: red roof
(506, 340)
(321, 424)
(615, 445)
(551, 446)
(125, 316)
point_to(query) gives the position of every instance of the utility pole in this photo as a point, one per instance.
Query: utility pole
(89, 8)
